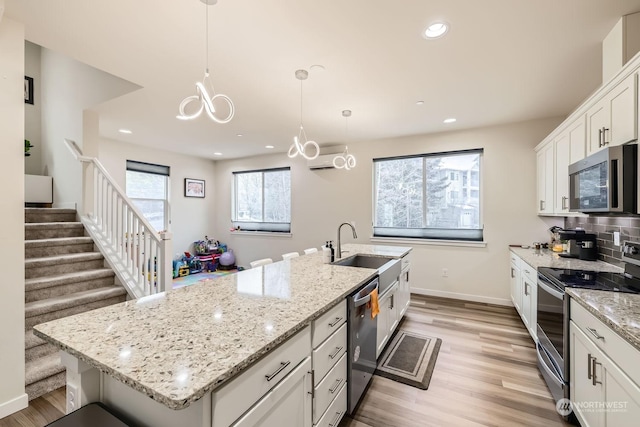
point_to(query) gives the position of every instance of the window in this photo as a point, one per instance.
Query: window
(423, 197)
(147, 187)
(262, 200)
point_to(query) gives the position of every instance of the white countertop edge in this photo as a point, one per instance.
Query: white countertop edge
(432, 242)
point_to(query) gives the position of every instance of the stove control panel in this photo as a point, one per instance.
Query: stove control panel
(631, 252)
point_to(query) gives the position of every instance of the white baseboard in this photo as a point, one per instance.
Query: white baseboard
(466, 297)
(66, 205)
(14, 405)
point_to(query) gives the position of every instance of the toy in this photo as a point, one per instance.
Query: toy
(183, 271)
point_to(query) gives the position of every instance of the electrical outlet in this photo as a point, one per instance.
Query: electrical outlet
(72, 392)
(616, 238)
(445, 272)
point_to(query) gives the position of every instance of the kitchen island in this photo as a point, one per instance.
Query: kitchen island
(158, 359)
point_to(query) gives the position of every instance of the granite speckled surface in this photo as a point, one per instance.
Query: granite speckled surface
(177, 346)
(620, 311)
(350, 249)
(545, 258)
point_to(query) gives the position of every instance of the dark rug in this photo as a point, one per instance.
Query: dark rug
(409, 359)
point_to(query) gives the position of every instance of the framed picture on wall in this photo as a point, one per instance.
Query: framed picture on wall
(28, 90)
(193, 187)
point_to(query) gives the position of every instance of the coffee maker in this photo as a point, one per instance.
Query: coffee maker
(580, 245)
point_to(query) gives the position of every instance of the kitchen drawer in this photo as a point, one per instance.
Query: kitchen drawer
(613, 345)
(328, 389)
(234, 398)
(406, 260)
(515, 258)
(530, 272)
(329, 322)
(329, 352)
(336, 410)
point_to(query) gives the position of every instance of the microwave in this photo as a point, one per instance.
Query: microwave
(605, 181)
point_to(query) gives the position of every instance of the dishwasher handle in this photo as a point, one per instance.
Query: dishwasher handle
(359, 299)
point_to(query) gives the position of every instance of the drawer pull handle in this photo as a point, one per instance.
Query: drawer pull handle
(335, 353)
(595, 334)
(335, 421)
(282, 366)
(589, 374)
(594, 378)
(337, 386)
(335, 322)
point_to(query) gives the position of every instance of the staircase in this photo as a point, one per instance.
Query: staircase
(64, 275)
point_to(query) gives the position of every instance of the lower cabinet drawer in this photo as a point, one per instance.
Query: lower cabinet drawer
(329, 388)
(326, 356)
(336, 410)
(234, 398)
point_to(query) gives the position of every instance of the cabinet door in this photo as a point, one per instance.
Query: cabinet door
(394, 312)
(563, 155)
(622, 109)
(622, 396)
(516, 291)
(529, 304)
(288, 404)
(584, 388)
(545, 179)
(597, 120)
(383, 324)
(577, 141)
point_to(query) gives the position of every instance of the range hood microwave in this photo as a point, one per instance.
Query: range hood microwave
(606, 181)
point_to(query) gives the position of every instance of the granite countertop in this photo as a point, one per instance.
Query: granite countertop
(546, 258)
(618, 310)
(176, 346)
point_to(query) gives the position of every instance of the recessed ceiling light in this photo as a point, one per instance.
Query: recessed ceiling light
(268, 146)
(449, 120)
(239, 135)
(420, 103)
(127, 131)
(436, 30)
(217, 154)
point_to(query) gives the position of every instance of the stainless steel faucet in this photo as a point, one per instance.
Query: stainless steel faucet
(355, 236)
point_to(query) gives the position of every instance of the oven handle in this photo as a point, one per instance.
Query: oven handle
(547, 368)
(554, 292)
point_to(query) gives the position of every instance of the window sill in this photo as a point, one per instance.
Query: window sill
(259, 233)
(429, 242)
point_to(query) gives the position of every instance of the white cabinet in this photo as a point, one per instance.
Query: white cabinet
(602, 394)
(570, 147)
(288, 404)
(613, 119)
(524, 292)
(545, 171)
(516, 284)
(404, 293)
(387, 318)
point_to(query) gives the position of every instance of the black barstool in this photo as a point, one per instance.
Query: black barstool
(91, 415)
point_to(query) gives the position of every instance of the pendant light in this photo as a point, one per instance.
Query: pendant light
(300, 143)
(206, 95)
(345, 160)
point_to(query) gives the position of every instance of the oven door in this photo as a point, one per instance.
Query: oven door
(551, 325)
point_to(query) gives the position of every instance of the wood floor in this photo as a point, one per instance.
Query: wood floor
(485, 375)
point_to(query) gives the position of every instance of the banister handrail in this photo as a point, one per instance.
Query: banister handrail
(138, 254)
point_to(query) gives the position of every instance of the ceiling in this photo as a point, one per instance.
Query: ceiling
(502, 61)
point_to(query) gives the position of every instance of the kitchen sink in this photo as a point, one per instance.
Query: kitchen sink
(388, 268)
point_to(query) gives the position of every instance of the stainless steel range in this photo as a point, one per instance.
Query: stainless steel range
(553, 311)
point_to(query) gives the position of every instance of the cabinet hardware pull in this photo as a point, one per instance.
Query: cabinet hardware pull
(313, 383)
(334, 423)
(335, 322)
(599, 137)
(282, 366)
(604, 136)
(512, 273)
(336, 386)
(593, 369)
(595, 334)
(589, 374)
(335, 353)
(541, 208)
(564, 199)
(393, 297)
(526, 285)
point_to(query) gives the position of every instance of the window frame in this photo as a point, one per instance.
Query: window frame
(465, 236)
(259, 226)
(152, 169)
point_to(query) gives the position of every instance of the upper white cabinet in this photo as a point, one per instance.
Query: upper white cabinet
(569, 148)
(545, 172)
(613, 119)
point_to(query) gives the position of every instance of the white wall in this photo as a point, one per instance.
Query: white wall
(32, 112)
(191, 218)
(12, 396)
(322, 199)
(69, 87)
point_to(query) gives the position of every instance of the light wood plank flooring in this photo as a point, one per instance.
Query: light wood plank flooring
(485, 375)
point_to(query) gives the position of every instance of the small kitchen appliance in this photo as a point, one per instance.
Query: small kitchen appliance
(580, 245)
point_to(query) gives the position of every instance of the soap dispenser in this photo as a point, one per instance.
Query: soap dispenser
(333, 253)
(326, 253)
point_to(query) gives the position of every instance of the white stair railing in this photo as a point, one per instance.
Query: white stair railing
(139, 255)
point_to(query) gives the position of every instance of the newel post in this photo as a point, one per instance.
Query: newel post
(166, 261)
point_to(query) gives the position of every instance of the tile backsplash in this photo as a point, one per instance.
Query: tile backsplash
(604, 227)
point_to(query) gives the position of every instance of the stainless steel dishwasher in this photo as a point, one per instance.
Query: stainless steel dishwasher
(361, 340)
